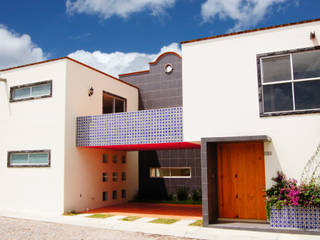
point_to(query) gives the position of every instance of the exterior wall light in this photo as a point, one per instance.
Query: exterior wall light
(91, 91)
(312, 35)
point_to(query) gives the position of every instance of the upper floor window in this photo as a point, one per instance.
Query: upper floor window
(39, 158)
(31, 91)
(113, 103)
(290, 82)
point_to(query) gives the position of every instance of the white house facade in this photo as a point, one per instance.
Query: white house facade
(257, 112)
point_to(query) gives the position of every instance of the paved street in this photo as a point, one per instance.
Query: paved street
(21, 229)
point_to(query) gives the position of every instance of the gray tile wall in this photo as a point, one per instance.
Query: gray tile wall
(158, 89)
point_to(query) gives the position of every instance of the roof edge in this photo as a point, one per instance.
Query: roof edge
(133, 73)
(165, 53)
(31, 64)
(250, 31)
(150, 63)
(73, 60)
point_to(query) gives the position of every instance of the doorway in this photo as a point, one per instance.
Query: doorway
(241, 181)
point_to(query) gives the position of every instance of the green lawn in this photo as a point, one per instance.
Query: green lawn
(164, 220)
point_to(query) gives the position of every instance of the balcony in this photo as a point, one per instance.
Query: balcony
(133, 130)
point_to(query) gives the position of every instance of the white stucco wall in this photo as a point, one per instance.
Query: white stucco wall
(33, 125)
(220, 95)
(84, 167)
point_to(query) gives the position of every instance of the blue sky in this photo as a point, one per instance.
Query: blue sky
(119, 36)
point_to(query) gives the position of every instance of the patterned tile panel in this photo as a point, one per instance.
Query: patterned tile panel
(297, 218)
(162, 125)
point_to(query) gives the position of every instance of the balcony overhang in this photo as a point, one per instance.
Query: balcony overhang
(141, 130)
(151, 146)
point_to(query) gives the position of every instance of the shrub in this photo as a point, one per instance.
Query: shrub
(182, 193)
(196, 195)
(287, 192)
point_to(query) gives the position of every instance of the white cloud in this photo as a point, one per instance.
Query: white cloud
(17, 49)
(121, 8)
(119, 62)
(245, 13)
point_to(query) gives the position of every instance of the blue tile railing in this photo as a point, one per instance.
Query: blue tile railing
(162, 125)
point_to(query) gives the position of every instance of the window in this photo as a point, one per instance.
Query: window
(104, 196)
(105, 158)
(31, 91)
(123, 176)
(39, 158)
(115, 159)
(104, 177)
(290, 82)
(113, 103)
(123, 193)
(170, 172)
(123, 159)
(114, 195)
(114, 177)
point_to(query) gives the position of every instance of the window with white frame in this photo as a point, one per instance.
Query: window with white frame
(290, 81)
(170, 172)
(39, 158)
(31, 91)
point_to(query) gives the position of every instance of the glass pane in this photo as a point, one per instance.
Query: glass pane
(39, 158)
(152, 172)
(164, 172)
(19, 158)
(307, 95)
(119, 105)
(105, 158)
(277, 97)
(107, 103)
(306, 64)
(180, 172)
(21, 93)
(276, 69)
(41, 90)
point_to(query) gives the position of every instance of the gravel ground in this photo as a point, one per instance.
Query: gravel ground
(21, 229)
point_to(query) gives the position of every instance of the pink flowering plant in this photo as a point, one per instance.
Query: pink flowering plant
(287, 192)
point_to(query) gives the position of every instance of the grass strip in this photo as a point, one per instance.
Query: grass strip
(197, 223)
(130, 218)
(164, 220)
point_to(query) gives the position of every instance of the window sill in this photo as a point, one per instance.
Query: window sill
(289, 113)
(28, 166)
(30, 98)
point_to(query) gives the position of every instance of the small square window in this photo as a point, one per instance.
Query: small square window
(123, 159)
(123, 193)
(114, 177)
(123, 176)
(104, 177)
(115, 159)
(114, 195)
(104, 196)
(105, 158)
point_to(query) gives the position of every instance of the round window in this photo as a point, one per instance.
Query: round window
(168, 68)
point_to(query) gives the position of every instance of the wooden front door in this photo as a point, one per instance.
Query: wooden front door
(241, 180)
